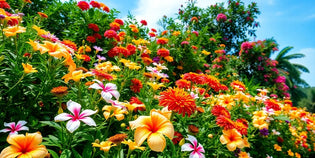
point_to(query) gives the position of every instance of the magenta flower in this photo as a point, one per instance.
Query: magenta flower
(108, 91)
(221, 17)
(197, 149)
(74, 120)
(14, 128)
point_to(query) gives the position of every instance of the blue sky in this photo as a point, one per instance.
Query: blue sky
(289, 22)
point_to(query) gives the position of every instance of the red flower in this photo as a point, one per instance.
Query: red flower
(94, 27)
(4, 4)
(143, 22)
(136, 101)
(163, 52)
(122, 50)
(112, 53)
(91, 39)
(195, 78)
(182, 83)
(218, 110)
(110, 34)
(86, 58)
(106, 9)
(178, 100)
(119, 21)
(153, 30)
(272, 104)
(132, 49)
(13, 22)
(95, 4)
(97, 35)
(225, 122)
(162, 40)
(83, 5)
(102, 75)
(177, 137)
(136, 85)
(114, 26)
(152, 34)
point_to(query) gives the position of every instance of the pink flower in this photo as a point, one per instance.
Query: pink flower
(196, 33)
(221, 17)
(280, 79)
(108, 91)
(194, 146)
(185, 42)
(74, 120)
(246, 46)
(13, 129)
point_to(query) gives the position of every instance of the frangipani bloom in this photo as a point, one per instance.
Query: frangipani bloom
(74, 120)
(14, 128)
(13, 30)
(108, 91)
(232, 138)
(24, 146)
(194, 146)
(153, 128)
(28, 68)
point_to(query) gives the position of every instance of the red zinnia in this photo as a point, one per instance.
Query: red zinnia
(218, 110)
(225, 122)
(153, 30)
(272, 104)
(178, 100)
(143, 22)
(13, 22)
(163, 52)
(195, 78)
(91, 39)
(110, 34)
(95, 4)
(119, 21)
(102, 75)
(136, 85)
(97, 35)
(132, 49)
(106, 9)
(182, 83)
(83, 5)
(4, 4)
(86, 58)
(177, 137)
(114, 26)
(94, 27)
(162, 40)
(152, 34)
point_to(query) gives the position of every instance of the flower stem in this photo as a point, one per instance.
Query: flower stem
(16, 83)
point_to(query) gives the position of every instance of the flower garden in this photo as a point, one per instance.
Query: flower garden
(76, 81)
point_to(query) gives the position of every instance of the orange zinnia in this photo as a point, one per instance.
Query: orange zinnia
(153, 128)
(232, 138)
(24, 146)
(178, 100)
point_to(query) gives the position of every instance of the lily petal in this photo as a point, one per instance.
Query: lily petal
(63, 117)
(10, 125)
(89, 121)
(196, 155)
(74, 107)
(21, 123)
(141, 121)
(40, 151)
(87, 112)
(187, 147)
(110, 86)
(95, 86)
(72, 125)
(141, 134)
(156, 142)
(115, 94)
(10, 151)
(107, 96)
(193, 140)
(5, 130)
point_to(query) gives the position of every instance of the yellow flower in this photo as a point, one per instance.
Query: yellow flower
(169, 58)
(243, 154)
(133, 145)
(260, 123)
(232, 138)
(13, 30)
(277, 147)
(290, 153)
(297, 155)
(84, 49)
(28, 68)
(131, 107)
(155, 85)
(24, 146)
(75, 76)
(153, 128)
(110, 111)
(205, 52)
(39, 30)
(165, 112)
(176, 33)
(105, 146)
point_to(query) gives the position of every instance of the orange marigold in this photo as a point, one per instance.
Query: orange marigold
(225, 122)
(59, 91)
(177, 100)
(118, 138)
(218, 110)
(136, 85)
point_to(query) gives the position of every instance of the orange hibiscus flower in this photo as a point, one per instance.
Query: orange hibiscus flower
(153, 128)
(232, 138)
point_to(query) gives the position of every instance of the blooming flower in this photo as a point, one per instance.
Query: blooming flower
(232, 138)
(153, 128)
(108, 91)
(105, 146)
(13, 30)
(24, 146)
(14, 128)
(110, 111)
(133, 145)
(221, 17)
(194, 146)
(177, 100)
(28, 68)
(83, 5)
(74, 123)
(136, 85)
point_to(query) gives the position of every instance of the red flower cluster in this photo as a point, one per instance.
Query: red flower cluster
(110, 34)
(218, 110)
(4, 4)
(272, 104)
(91, 39)
(136, 85)
(94, 27)
(83, 5)
(143, 22)
(101, 75)
(163, 52)
(95, 4)
(182, 83)
(162, 40)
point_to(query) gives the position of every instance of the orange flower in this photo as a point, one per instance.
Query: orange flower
(110, 111)
(28, 68)
(232, 138)
(136, 85)
(24, 146)
(153, 128)
(42, 15)
(277, 147)
(59, 91)
(75, 76)
(178, 100)
(13, 30)
(27, 1)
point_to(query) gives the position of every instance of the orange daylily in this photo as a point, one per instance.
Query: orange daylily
(260, 123)
(39, 30)
(232, 138)
(111, 111)
(24, 146)
(13, 30)
(28, 68)
(153, 128)
(105, 146)
(76, 76)
(133, 145)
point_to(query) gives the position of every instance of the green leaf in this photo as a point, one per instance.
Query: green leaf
(52, 124)
(87, 152)
(65, 154)
(282, 117)
(76, 154)
(53, 153)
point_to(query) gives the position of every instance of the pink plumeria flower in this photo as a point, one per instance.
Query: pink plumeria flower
(197, 149)
(108, 91)
(74, 120)
(14, 128)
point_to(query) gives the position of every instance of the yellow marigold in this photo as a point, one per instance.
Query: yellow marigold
(13, 30)
(205, 52)
(59, 91)
(176, 33)
(117, 138)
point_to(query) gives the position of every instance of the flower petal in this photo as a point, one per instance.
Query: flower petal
(10, 125)
(187, 147)
(196, 155)
(193, 140)
(89, 121)
(11, 151)
(74, 107)
(63, 117)
(87, 112)
(95, 86)
(23, 128)
(141, 121)
(115, 94)
(156, 142)
(39, 151)
(223, 139)
(141, 134)
(107, 96)
(72, 125)
(110, 86)
(5, 130)
(21, 123)
(231, 146)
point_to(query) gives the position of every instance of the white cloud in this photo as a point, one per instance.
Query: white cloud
(153, 10)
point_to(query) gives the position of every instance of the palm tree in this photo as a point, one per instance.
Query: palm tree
(292, 72)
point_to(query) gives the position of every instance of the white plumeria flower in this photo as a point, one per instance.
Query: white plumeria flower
(14, 128)
(108, 91)
(194, 146)
(74, 120)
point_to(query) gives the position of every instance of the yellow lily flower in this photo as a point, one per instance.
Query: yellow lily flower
(13, 30)
(28, 68)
